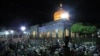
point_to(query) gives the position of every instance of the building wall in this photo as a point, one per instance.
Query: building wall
(57, 29)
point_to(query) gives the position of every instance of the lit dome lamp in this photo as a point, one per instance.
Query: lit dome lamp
(65, 15)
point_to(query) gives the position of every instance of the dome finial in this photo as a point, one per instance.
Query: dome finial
(60, 5)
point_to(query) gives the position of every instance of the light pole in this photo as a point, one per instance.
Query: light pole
(6, 33)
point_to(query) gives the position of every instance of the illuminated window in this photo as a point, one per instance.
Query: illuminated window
(72, 34)
(54, 34)
(48, 34)
(60, 33)
(34, 33)
(40, 35)
(66, 32)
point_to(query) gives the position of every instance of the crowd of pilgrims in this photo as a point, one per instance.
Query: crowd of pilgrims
(45, 47)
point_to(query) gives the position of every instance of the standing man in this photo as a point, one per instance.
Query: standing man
(66, 48)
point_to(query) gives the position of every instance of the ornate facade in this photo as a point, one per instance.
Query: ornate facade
(58, 28)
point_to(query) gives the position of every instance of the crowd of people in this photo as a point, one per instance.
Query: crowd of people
(46, 47)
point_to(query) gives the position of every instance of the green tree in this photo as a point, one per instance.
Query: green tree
(82, 29)
(93, 29)
(88, 30)
(77, 28)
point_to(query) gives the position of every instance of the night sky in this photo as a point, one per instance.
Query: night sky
(32, 12)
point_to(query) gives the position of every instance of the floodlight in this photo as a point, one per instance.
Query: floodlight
(23, 28)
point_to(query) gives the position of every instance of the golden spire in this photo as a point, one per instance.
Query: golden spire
(60, 5)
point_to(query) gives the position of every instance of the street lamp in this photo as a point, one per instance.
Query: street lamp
(11, 32)
(6, 33)
(26, 32)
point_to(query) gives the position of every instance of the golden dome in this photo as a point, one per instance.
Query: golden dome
(61, 14)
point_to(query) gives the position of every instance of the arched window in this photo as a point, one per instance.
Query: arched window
(48, 34)
(34, 33)
(54, 33)
(40, 35)
(60, 33)
(66, 32)
(72, 34)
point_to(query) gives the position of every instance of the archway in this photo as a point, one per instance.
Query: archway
(34, 34)
(60, 33)
(48, 34)
(54, 34)
(66, 32)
